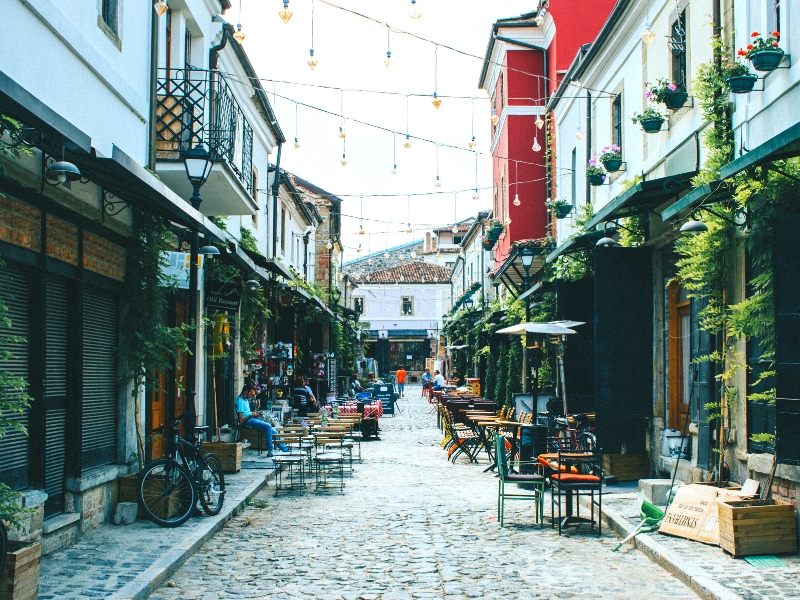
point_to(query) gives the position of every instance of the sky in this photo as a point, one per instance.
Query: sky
(350, 50)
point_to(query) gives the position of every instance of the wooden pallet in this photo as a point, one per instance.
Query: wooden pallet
(627, 467)
(749, 527)
(20, 577)
(228, 453)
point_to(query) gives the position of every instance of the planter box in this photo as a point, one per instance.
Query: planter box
(675, 100)
(652, 125)
(127, 491)
(749, 527)
(627, 467)
(742, 84)
(229, 454)
(20, 577)
(594, 180)
(766, 60)
(612, 164)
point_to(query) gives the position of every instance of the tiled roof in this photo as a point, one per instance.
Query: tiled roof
(416, 271)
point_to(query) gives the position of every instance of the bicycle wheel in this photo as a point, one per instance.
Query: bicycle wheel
(166, 493)
(212, 484)
(3, 545)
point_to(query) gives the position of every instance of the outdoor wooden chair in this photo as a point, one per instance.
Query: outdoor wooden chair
(328, 462)
(462, 440)
(504, 476)
(579, 474)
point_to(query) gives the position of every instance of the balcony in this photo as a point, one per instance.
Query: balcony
(194, 107)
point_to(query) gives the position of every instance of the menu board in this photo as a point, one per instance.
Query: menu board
(385, 393)
(331, 374)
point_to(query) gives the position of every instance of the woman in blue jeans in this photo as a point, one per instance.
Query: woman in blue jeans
(250, 420)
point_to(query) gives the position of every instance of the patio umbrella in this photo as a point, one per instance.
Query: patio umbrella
(541, 328)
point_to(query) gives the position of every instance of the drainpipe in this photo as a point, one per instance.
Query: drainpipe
(151, 133)
(305, 255)
(213, 61)
(275, 187)
(588, 140)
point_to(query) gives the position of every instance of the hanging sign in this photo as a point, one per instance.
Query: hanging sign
(223, 296)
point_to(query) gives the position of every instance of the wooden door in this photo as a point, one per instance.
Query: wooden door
(157, 406)
(680, 355)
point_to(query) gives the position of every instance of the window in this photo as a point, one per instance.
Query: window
(502, 95)
(168, 51)
(283, 230)
(677, 46)
(457, 239)
(680, 355)
(761, 414)
(109, 14)
(255, 197)
(574, 182)
(358, 305)
(616, 121)
(407, 306)
(187, 48)
(774, 16)
(450, 264)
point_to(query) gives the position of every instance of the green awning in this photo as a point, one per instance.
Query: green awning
(784, 145)
(575, 244)
(640, 198)
(707, 194)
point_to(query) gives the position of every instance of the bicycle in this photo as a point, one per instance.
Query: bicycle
(168, 489)
(573, 432)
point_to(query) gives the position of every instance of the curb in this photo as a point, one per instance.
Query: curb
(157, 574)
(696, 578)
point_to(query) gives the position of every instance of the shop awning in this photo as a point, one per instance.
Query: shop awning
(574, 244)
(784, 145)
(313, 300)
(512, 274)
(273, 266)
(539, 287)
(640, 198)
(707, 194)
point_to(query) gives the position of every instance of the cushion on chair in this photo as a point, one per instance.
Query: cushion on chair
(575, 478)
(523, 478)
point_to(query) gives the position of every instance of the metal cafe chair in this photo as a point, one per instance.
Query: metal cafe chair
(577, 474)
(505, 476)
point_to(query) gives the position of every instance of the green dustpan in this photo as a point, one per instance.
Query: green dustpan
(650, 515)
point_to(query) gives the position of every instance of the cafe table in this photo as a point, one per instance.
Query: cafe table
(480, 420)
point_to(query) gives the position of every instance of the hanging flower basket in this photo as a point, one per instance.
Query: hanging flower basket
(675, 100)
(612, 164)
(488, 244)
(766, 60)
(594, 180)
(652, 125)
(561, 211)
(742, 84)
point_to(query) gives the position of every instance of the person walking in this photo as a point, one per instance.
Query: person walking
(249, 419)
(400, 377)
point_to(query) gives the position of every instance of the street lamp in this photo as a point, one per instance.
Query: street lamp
(526, 255)
(198, 165)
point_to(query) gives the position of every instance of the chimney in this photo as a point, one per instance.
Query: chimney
(428, 247)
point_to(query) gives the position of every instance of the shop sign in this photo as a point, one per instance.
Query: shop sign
(224, 296)
(385, 393)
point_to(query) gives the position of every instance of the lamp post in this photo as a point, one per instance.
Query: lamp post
(198, 165)
(526, 256)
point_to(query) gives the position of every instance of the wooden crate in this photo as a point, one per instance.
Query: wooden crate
(127, 491)
(748, 527)
(229, 454)
(627, 467)
(20, 577)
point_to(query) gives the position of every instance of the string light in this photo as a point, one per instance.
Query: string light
(579, 134)
(536, 147)
(409, 230)
(160, 7)
(286, 14)
(455, 213)
(388, 62)
(239, 35)
(472, 142)
(516, 184)
(539, 122)
(438, 183)
(342, 120)
(394, 153)
(647, 35)
(415, 12)
(407, 143)
(329, 245)
(296, 143)
(495, 119)
(475, 196)
(436, 102)
(344, 152)
(312, 61)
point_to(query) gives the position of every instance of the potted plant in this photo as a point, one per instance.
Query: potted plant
(667, 93)
(738, 76)
(651, 119)
(560, 208)
(763, 53)
(595, 173)
(611, 157)
(488, 244)
(494, 229)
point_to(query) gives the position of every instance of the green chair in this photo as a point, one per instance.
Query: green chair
(505, 476)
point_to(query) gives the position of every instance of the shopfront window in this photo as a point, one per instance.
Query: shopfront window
(410, 355)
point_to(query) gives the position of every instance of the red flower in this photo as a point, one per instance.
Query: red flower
(741, 52)
(749, 46)
(775, 44)
(776, 34)
(755, 34)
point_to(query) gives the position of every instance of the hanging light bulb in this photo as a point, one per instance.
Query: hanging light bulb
(409, 230)
(413, 255)
(361, 230)
(386, 255)
(285, 14)
(475, 196)
(341, 133)
(388, 62)
(415, 12)
(160, 7)
(579, 134)
(312, 61)
(495, 119)
(344, 160)
(461, 254)
(296, 143)
(407, 143)
(438, 183)
(358, 250)
(239, 35)
(472, 143)
(436, 102)
(401, 258)
(539, 122)
(394, 170)
(507, 221)
(516, 200)
(538, 20)
(438, 255)
(455, 228)
(369, 261)
(329, 245)
(647, 35)
(536, 147)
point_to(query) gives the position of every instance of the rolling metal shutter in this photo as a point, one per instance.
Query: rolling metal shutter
(99, 416)
(14, 446)
(56, 393)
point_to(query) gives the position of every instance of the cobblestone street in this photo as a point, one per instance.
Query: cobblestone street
(410, 524)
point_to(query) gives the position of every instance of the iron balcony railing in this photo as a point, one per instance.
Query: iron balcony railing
(197, 106)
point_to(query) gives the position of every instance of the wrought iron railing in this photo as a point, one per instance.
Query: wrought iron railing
(198, 107)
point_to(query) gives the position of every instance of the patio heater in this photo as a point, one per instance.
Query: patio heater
(526, 256)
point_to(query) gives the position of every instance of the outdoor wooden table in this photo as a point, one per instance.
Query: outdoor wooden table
(480, 420)
(550, 461)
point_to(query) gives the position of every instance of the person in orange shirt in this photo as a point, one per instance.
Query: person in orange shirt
(400, 376)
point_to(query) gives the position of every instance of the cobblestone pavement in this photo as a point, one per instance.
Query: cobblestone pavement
(739, 576)
(410, 524)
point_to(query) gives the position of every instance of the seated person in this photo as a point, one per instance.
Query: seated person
(250, 420)
(457, 379)
(370, 381)
(313, 405)
(427, 378)
(355, 384)
(438, 380)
